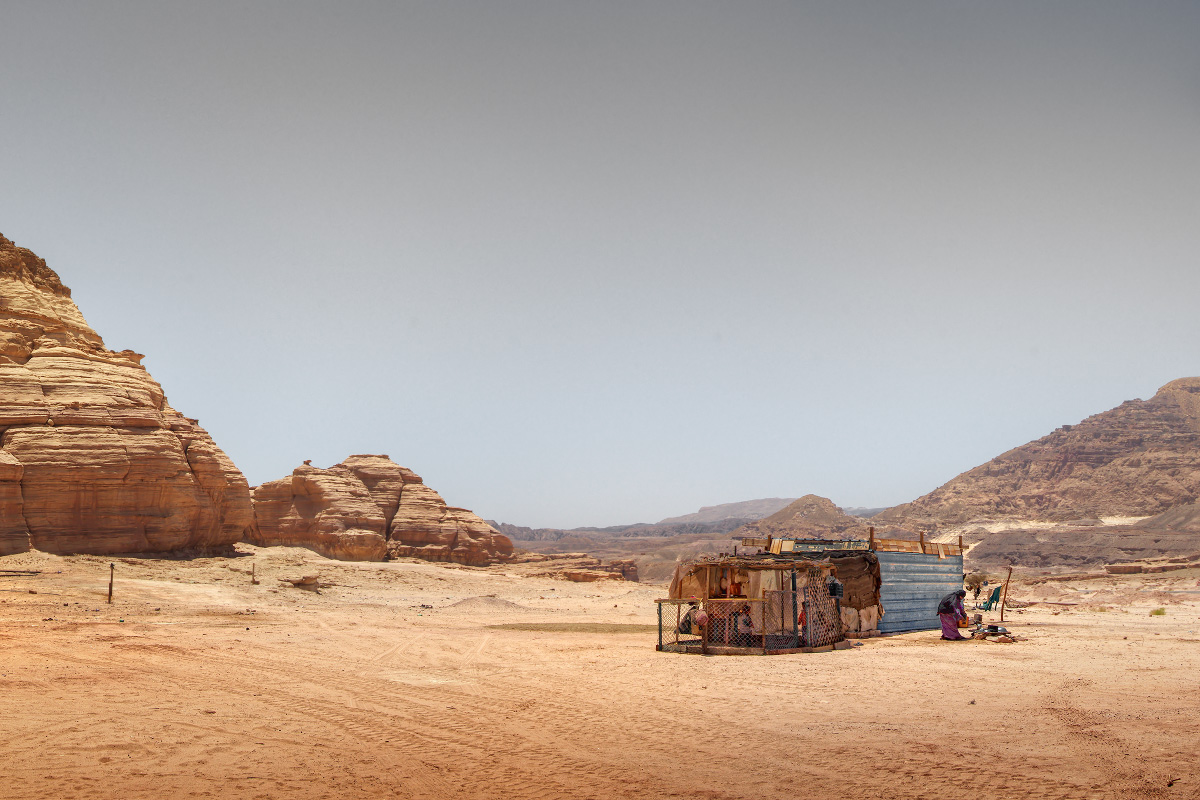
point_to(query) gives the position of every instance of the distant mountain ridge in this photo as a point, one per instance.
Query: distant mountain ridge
(519, 533)
(810, 517)
(655, 546)
(745, 510)
(1139, 459)
(709, 519)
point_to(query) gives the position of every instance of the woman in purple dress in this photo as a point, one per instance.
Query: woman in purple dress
(950, 611)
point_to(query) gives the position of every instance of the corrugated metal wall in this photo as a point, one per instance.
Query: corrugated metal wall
(912, 584)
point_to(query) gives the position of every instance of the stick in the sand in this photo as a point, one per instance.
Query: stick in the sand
(253, 579)
(1004, 599)
(112, 567)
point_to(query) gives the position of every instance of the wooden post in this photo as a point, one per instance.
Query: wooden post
(922, 535)
(112, 568)
(253, 576)
(1004, 599)
(961, 552)
(728, 618)
(872, 544)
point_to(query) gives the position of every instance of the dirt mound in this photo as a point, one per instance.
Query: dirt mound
(488, 603)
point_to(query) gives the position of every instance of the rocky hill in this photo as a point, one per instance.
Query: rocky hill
(810, 517)
(368, 508)
(1139, 459)
(92, 458)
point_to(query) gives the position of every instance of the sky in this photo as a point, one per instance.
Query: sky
(583, 263)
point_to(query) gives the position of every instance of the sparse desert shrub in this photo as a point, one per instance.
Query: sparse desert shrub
(1158, 612)
(976, 579)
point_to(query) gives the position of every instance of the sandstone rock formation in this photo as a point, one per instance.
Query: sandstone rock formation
(326, 510)
(368, 508)
(810, 517)
(92, 459)
(1138, 459)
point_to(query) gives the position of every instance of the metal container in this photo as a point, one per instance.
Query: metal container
(911, 586)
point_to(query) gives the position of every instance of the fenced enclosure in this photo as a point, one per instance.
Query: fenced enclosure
(781, 621)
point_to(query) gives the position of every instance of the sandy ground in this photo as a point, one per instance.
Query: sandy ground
(196, 683)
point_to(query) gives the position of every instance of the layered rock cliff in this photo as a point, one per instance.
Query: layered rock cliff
(1138, 459)
(92, 458)
(369, 507)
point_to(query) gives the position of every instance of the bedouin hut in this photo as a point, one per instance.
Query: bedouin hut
(806, 594)
(769, 603)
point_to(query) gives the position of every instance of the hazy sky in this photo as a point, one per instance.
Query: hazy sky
(605, 262)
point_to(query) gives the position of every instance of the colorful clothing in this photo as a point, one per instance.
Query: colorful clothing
(950, 627)
(950, 611)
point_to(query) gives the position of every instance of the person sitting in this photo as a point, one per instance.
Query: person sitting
(688, 621)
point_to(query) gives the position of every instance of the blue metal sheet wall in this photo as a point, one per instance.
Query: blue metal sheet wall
(911, 586)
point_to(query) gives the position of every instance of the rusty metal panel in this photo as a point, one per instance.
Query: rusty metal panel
(911, 586)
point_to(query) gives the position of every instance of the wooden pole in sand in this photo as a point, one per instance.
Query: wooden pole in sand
(112, 568)
(1004, 599)
(872, 542)
(253, 576)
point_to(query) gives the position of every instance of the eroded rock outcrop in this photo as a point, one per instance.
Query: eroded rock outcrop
(92, 458)
(1138, 459)
(326, 510)
(369, 507)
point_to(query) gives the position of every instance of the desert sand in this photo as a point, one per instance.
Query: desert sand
(417, 680)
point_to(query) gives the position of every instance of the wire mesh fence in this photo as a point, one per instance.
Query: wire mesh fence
(822, 618)
(678, 626)
(781, 620)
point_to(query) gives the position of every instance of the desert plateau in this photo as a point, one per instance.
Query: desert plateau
(420, 680)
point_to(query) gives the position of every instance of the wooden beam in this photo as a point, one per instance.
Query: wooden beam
(1004, 599)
